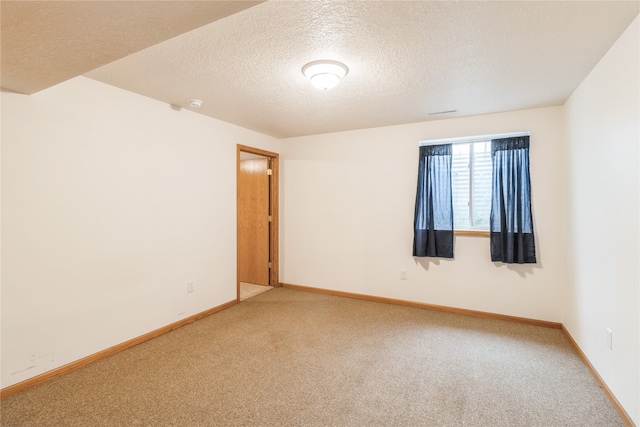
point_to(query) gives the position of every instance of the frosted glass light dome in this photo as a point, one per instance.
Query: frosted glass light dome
(325, 74)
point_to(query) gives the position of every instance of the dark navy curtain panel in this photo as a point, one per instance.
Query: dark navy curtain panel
(511, 223)
(433, 221)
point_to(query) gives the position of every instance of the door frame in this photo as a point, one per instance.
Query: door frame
(275, 207)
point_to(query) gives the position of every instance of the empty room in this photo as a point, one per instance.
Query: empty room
(320, 213)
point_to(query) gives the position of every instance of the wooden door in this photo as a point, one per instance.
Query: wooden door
(253, 221)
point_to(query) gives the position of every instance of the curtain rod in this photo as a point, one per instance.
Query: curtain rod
(476, 138)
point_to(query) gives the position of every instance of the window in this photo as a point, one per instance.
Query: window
(475, 185)
(471, 185)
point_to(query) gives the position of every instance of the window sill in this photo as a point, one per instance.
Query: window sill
(471, 233)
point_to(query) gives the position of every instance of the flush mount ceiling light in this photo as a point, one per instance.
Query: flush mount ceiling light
(194, 103)
(325, 74)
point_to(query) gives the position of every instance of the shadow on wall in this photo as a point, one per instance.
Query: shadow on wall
(426, 262)
(521, 269)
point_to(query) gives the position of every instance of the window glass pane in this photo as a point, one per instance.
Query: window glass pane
(481, 199)
(460, 175)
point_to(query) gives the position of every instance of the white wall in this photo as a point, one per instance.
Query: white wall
(111, 202)
(348, 202)
(603, 138)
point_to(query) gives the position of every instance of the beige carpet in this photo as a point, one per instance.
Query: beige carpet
(293, 358)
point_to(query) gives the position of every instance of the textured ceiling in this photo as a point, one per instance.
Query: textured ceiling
(406, 60)
(47, 42)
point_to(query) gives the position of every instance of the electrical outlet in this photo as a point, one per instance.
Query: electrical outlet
(190, 286)
(403, 274)
(609, 339)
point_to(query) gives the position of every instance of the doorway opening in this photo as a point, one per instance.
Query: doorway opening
(257, 221)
